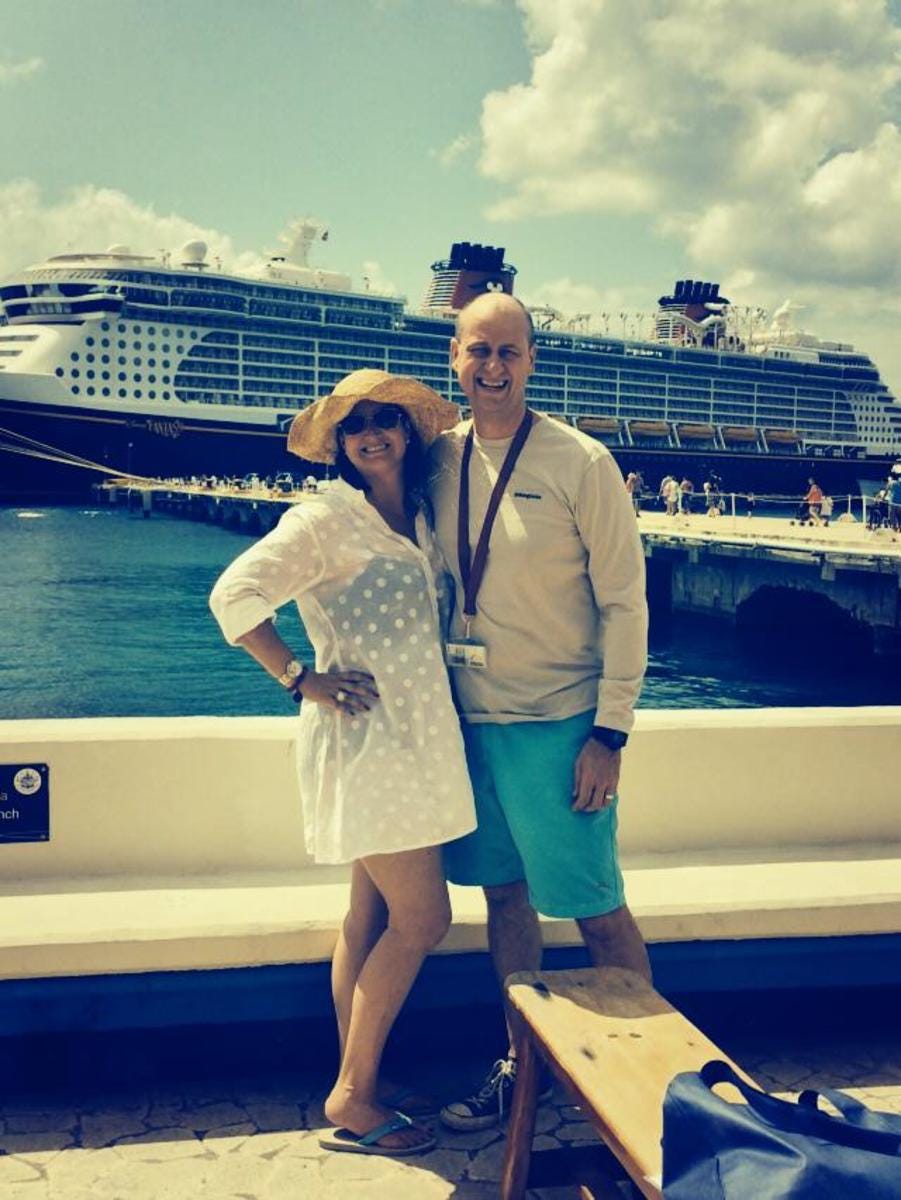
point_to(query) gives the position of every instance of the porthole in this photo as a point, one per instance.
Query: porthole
(90, 374)
(104, 342)
(136, 378)
(167, 379)
(136, 362)
(89, 357)
(152, 395)
(90, 390)
(105, 326)
(166, 364)
(104, 374)
(165, 349)
(106, 391)
(193, 335)
(122, 376)
(75, 388)
(152, 331)
(136, 329)
(74, 356)
(59, 371)
(151, 362)
(122, 345)
(121, 328)
(165, 395)
(136, 345)
(122, 392)
(165, 333)
(138, 393)
(151, 379)
(89, 341)
(179, 349)
(104, 358)
(152, 346)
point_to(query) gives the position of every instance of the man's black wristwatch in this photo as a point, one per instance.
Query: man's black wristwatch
(613, 739)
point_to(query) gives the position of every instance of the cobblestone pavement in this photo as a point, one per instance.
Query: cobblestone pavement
(259, 1141)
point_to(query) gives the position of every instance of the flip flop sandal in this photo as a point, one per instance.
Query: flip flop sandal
(404, 1100)
(346, 1142)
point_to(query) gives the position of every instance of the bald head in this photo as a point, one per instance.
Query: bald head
(493, 355)
(491, 304)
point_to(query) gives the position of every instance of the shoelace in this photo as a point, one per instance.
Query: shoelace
(503, 1069)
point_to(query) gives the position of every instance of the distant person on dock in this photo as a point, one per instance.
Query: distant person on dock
(687, 489)
(893, 497)
(634, 486)
(751, 504)
(826, 506)
(809, 512)
(551, 608)
(380, 756)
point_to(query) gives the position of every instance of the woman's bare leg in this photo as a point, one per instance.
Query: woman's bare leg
(412, 886)
(363, 926)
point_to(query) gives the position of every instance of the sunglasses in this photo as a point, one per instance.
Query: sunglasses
(387, 416)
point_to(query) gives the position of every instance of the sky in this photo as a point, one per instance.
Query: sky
(611, 146)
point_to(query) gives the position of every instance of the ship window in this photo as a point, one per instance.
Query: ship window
(165, 395)
(104, 358)
(165, 349)
(105, 343)
(104, 374)
(166, 363)
(138, 393)
(105, 326)
(151, 330)
(179, 349)
(151, 379)
(59, 371)
(165, 333)
(90, 374)
(122, 392)
(167, 379)
(74, 356)
(75, 372)
(121, 328)
(106, 391)
(89, 357)
(136, 361)
(137, 377)
(136, 345)
(122, 376)
(136, 328)
(193, 334)
(90, 391)
(121, 345)
(152, 395)
(151, 362)
(89, 341)
(75, 388)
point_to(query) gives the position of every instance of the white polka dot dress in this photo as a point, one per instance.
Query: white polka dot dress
(394, 778)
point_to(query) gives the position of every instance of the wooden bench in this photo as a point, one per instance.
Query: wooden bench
(615, 1044)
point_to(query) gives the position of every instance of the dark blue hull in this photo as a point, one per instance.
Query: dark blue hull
(123, 444)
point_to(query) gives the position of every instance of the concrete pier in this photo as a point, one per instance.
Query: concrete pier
(760, 571)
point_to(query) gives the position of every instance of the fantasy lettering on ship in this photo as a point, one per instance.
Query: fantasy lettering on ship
(120, 363)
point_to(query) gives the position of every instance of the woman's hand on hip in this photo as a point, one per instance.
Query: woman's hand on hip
(348, 692)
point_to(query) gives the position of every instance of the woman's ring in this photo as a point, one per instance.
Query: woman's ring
(340, 695)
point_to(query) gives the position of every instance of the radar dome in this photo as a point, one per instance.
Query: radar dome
(193, 252)
(118, 248)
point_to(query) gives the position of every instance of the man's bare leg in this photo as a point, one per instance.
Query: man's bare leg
(514, 934)
(613, 940)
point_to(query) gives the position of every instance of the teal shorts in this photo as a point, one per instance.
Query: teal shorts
(522, 776)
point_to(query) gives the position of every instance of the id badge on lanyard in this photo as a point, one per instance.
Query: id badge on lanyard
(469, 651)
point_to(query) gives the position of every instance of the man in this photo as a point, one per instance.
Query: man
(552, 624)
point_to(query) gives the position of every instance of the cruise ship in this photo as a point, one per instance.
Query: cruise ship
(126, 364)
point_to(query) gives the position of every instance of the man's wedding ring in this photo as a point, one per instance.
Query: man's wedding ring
(340, 695)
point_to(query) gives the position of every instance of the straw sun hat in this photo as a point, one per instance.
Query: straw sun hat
(313, 436)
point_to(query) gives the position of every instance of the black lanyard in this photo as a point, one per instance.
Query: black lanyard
(473, 569)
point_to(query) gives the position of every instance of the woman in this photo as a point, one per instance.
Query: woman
(380, 756)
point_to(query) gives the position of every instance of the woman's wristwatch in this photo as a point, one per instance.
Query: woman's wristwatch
(292, 677)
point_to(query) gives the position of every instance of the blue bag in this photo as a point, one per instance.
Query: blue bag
(769, 1149)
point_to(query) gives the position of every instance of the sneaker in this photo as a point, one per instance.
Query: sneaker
(488, 1106)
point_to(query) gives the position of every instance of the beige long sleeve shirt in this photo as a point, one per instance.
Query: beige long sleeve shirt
(562, 606)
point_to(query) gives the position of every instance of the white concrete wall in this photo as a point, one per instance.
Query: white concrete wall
(211, 795)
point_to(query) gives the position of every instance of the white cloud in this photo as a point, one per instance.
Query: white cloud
(90, 219)
(762, 135)
(375, 279)
(455, 149)
(13, 72)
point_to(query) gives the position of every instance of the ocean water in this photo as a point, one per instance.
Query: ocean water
(103, 613)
